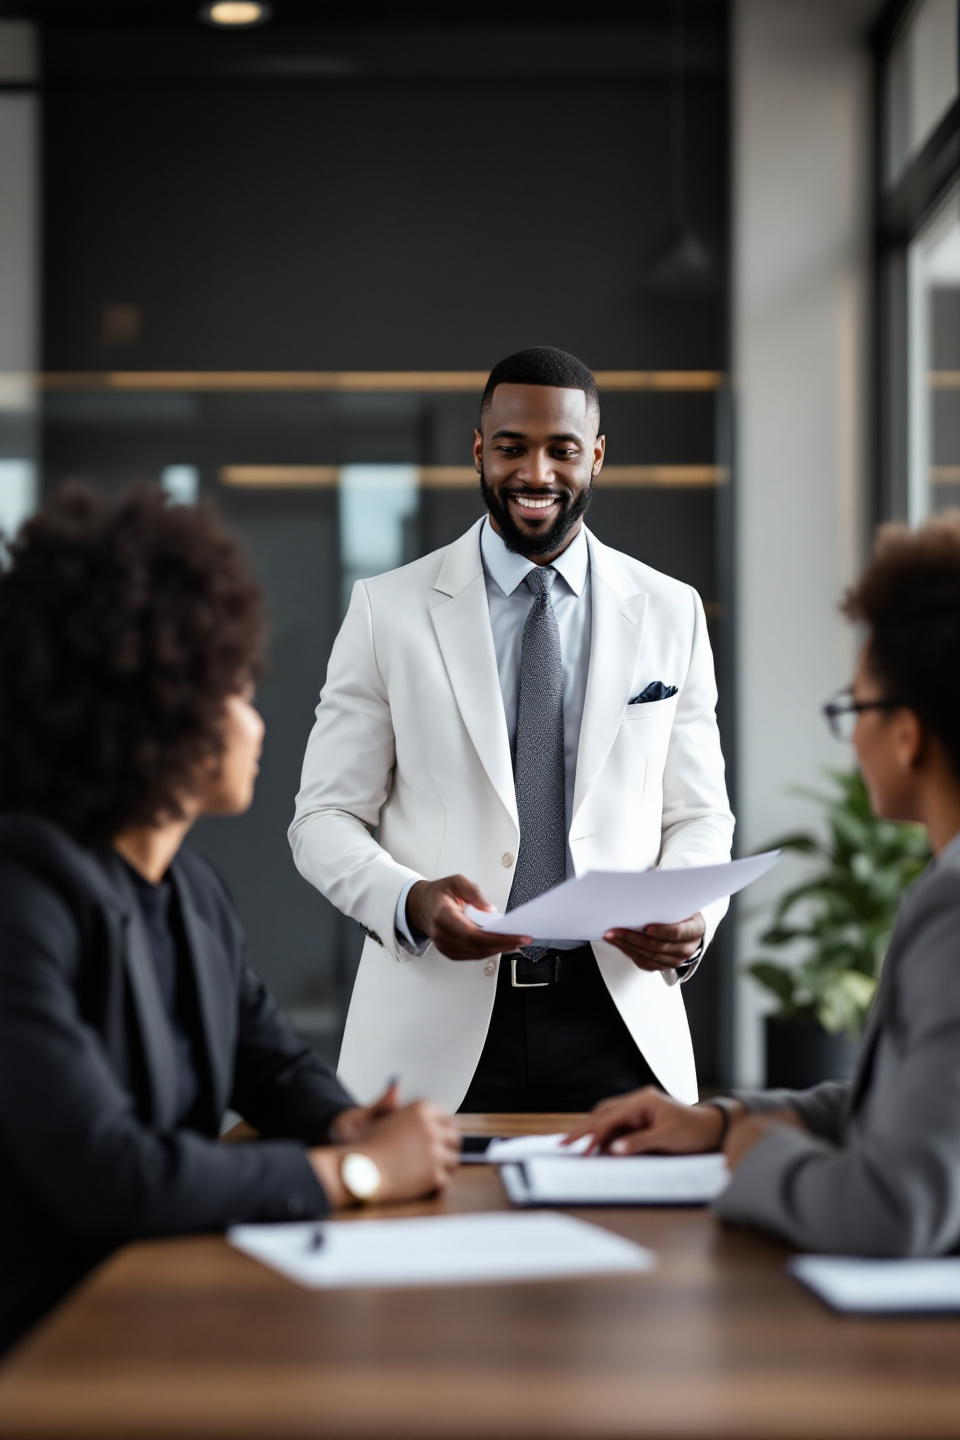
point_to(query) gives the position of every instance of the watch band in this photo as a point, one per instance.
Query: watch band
(728, 1108)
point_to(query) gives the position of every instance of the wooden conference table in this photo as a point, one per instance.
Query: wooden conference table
(189, 1339)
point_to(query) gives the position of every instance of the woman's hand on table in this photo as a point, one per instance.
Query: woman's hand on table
(415, 1148)
(352, 1124)
(647, 1121)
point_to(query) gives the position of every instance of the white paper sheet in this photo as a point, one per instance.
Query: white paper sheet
(881, 1287)
(441, 1250)
(525, 1147)
(617, 1180)
(586, 907)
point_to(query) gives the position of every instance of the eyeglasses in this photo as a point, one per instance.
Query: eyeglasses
(843, 714)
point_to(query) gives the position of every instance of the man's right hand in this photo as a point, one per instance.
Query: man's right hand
(416, 1149)
(435, 908)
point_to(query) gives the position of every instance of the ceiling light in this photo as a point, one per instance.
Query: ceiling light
(235, 12)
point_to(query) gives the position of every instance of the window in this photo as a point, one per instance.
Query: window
(375, 501)
(921, 81)
(18, 494)
(918, 255)
(933, 363)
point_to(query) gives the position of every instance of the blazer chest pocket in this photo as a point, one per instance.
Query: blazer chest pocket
(644, 735)
(652, 713)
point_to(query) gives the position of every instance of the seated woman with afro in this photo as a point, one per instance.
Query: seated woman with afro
(130, 637)
(869, 1166)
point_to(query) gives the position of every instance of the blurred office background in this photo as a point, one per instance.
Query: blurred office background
(271, 265)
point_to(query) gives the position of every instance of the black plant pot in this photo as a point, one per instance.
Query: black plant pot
(801, 1053)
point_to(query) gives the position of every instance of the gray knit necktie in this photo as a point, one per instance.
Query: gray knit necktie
(539, 769)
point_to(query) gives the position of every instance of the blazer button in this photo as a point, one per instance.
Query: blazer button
(490, 968)
(506, 859)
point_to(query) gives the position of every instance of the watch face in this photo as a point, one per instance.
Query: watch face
(360, 1175)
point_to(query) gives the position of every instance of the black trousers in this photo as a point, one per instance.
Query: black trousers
(562, 1048)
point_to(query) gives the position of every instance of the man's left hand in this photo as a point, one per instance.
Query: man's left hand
(660, 947)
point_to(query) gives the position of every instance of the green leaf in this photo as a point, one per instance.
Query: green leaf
(837, 920)
(777, 979)
(844, 1002)
(800, 842)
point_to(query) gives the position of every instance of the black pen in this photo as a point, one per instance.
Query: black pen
(317, 1239)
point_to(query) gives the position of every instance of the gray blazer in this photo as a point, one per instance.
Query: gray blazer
(877, 1172)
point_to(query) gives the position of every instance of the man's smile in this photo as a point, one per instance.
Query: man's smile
(535, 504)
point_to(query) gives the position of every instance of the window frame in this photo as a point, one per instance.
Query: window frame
(901, 210)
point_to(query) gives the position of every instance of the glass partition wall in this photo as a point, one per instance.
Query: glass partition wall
(278, 267)
(933, 363)
(918, 253)
(920, 80)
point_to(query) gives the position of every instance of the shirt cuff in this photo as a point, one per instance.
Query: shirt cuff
(414, 942)
(684, 971)
(687, 968)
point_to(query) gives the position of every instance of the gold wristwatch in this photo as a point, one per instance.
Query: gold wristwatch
(360, 1176)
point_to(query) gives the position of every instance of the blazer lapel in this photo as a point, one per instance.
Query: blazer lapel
(616, 633)
(882, 1004)
(462, 626)
(871, 1034)
(217, 1005)
(159, 1054)
(864, 1064)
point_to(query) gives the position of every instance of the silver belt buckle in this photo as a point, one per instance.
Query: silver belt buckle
(524, 984)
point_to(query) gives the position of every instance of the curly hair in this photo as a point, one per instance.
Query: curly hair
(124, 626)
(909, 598)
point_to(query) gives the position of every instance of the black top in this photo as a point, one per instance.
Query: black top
(92, 1151)
(170, 961)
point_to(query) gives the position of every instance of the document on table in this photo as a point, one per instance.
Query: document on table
(525, 1147)
(586, 907)
(881, 1287)
(438, 1250)
(617, 1180)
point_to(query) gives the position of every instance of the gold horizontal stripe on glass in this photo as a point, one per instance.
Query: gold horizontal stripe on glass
(444, 477)
(944, 379)
(945, 474)
(280, 477)
(356, 381)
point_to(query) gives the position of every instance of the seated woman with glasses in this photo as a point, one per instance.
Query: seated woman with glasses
(129, 1018)
(870, 1166)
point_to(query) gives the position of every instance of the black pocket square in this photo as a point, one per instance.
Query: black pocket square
(656, 690)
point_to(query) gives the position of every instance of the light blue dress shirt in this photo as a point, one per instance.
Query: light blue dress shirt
(509, 601)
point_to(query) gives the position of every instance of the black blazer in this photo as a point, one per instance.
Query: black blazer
(89, 1157)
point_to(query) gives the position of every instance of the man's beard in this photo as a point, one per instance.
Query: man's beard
(551, 541)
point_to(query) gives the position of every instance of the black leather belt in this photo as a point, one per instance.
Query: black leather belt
(529, 974)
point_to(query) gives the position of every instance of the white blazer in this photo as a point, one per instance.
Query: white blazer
(411, 736)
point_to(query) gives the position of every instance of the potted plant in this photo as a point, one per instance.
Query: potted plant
(842, 915)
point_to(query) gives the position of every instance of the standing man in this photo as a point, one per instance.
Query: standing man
(521, 706)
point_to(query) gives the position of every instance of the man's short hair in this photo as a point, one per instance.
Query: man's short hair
(909, 599)
(543, 365)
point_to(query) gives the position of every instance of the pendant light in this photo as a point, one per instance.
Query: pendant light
(682, 260)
